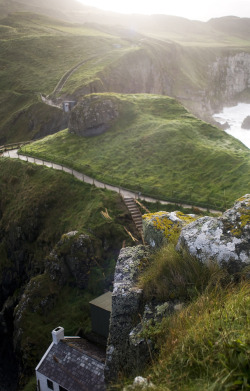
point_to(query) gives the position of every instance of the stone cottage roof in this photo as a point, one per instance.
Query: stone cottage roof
(68, 364)
(104, 301)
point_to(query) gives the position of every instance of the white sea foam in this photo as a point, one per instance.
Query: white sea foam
(234, 116)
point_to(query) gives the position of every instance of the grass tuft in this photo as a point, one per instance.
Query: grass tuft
(206, 346)
(174, 275)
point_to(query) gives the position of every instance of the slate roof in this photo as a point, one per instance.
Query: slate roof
(67, 364)
(104, 301)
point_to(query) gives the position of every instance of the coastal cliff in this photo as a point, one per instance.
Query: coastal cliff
(223, 240)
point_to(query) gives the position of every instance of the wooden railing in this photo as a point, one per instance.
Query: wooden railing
(9, 147)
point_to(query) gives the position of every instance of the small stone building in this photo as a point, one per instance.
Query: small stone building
(100, 310)
(68, 105)
(71, 364)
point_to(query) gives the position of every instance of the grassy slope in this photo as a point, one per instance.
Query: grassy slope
(206, 346)
(160, 149)
(63, 204)
(35, 53)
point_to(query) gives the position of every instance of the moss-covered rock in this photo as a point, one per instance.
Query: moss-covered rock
(72, 259)
(93, 115)
(162, 227)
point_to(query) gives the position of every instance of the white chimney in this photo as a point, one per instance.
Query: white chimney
(57, 334)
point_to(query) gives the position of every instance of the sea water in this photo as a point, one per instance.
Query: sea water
(234, 116)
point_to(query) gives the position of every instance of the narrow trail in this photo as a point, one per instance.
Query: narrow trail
(125, 193)
(67, 75)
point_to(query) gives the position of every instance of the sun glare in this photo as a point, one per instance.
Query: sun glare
(192, 9)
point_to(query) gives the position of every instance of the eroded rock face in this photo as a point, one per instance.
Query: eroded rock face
(93, 115)
(230, 75)
(126, 303)
(73, 255)
(128, 350)
(246, 123)
(225, 239)
(161, 227)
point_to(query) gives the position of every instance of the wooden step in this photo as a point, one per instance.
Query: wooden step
(135, 212)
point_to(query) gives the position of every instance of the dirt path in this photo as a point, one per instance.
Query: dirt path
(67, 75)
(85, 178)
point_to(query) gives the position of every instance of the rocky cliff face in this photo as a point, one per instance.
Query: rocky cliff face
(126, 305)
(202, 87)
(69, 265)
(128, 349)
(230, 76)
(93, 115)
(225, 239)
(161, 227)
(72, 257)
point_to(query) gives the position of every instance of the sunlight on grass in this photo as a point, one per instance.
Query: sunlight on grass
(157, 148)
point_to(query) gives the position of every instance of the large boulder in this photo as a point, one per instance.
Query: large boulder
(72, 257)
(93, 115)
(225, 239)
(246, 123)
(162, 227)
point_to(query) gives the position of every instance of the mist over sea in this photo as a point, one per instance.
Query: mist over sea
(234, 116)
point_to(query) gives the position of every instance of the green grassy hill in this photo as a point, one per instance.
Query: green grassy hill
(167, 55)
(158, 148)
(36, 52)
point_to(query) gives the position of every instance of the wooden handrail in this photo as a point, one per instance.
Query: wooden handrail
(14, 145)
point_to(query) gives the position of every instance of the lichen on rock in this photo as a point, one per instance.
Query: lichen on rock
(225, 239)
(163, 227)
(126, 303)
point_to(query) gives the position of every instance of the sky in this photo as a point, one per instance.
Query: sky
(190, 9)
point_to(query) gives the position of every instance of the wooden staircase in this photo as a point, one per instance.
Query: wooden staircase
(135, 212)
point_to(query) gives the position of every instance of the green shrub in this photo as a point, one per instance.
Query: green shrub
(174, 275)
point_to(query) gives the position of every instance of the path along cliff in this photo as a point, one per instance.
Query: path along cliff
(125, 193)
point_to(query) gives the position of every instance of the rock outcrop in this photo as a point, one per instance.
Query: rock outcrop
(246, 123)
(162, 227)
(93, 115)
(225, 239)
(229, 76)
(73, 256)
(128, 349)
(126, 305)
